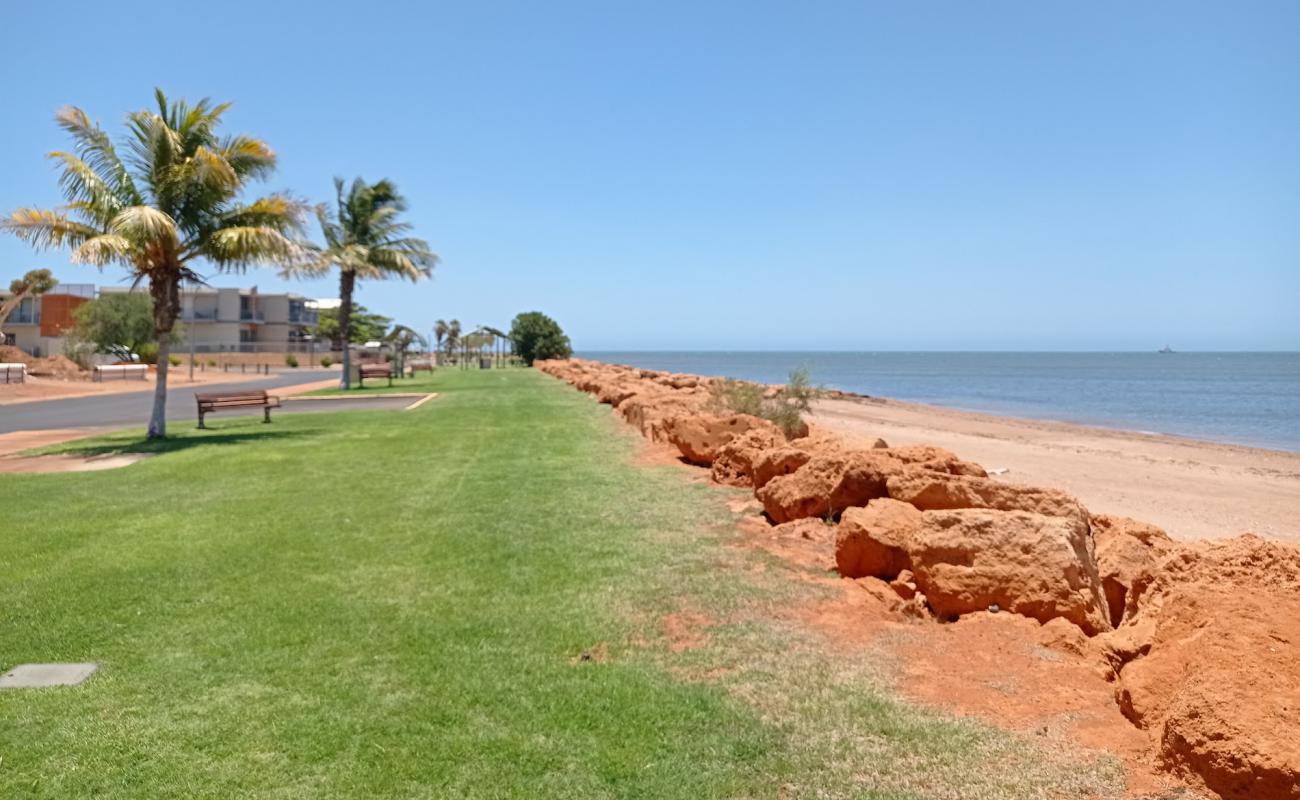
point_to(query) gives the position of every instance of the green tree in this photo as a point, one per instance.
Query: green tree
(365, 240)
(173, 201)
(34, 284)
(537, 336)
(365, 326)
(121, 323)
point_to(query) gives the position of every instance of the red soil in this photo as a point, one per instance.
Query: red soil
(1013, 602)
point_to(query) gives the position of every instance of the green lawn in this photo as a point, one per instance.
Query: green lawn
(394, 604)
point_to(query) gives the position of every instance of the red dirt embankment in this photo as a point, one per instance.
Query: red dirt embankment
(1199, 643)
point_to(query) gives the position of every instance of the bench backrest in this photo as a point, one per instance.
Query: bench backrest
(375, 369)
(251, 396)
(14, 366)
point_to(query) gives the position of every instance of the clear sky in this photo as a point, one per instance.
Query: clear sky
(748, 175)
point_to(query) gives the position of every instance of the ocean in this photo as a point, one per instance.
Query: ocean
(1238, 398)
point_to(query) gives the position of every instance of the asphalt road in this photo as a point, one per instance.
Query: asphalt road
(132, 408)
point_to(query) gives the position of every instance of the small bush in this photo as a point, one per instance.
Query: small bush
(784, 407)
(325, 361)
(175, 361)
(291, 360)
(212, 362)
(148, 353)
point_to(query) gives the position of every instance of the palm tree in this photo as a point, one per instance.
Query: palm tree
(402, 340)
(365, 241)
(172, 201)
(439, 333)
(453, 336)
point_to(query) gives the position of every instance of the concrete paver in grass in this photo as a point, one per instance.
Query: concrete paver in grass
(37, 676)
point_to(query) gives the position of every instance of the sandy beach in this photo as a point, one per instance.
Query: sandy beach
(1192, 489)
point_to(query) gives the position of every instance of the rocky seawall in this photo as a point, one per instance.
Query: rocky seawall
(1200, 641)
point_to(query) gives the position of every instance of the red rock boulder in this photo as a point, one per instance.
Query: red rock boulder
(930, 490)
(700, 436)
(827, 484)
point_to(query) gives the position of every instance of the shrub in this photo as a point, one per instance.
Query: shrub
(148, 353)
(325, 361)
(212, 362)
(291, 360)
(175, 361)
(784, 407)
(537, 336)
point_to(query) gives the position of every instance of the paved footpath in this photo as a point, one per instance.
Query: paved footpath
(131, 409)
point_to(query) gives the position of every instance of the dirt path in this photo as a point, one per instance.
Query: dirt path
(1192, 489)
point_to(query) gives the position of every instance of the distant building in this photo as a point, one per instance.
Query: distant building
(37, 325)
(220, 320)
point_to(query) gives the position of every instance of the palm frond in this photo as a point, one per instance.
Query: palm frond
(46, 228)
(278, 211)
(143, 224)
(248, 157)
(95, 147)
(103, 249)
(212, 169)
(85, 188)
(236, 248)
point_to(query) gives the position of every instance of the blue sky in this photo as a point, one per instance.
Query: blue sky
(749, 175)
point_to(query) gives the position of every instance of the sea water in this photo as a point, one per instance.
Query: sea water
(1240, 398)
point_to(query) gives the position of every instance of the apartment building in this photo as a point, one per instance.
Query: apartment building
(37, 325)
(220, 320)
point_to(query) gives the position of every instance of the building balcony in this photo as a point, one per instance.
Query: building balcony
(251, 316)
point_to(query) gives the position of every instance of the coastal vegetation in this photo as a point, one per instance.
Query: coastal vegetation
(173, 200)
(365, 239)
(538, 337)
(502, 605)
(784, 406)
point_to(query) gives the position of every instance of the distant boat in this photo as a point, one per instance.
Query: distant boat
(1165, 349)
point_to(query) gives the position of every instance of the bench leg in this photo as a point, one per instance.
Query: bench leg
(390, 381)
(201, 425)
(267, 420)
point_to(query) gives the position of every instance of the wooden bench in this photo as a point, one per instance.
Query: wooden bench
(374, 371)
(253, 398)
(122, 371)
(15, 372)
(415, 365)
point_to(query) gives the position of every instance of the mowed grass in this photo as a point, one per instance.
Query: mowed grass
(396, 604)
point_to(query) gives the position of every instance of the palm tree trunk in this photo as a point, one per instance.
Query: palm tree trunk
(166, 295)
(347, 281)
(158, 419)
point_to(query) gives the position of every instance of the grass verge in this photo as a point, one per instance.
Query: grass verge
(364, 604)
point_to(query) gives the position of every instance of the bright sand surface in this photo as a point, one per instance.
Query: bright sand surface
(1192, 489)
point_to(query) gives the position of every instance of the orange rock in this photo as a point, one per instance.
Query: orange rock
(733, 464)
(928, 456)
(930, 490)
(826, 485)
(1218, 684)
(1128, 552)
(874, 540)
(1038, 566)
(699, 436)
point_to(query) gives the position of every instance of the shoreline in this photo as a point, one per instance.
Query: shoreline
(1207, 396)
(1193, 488)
